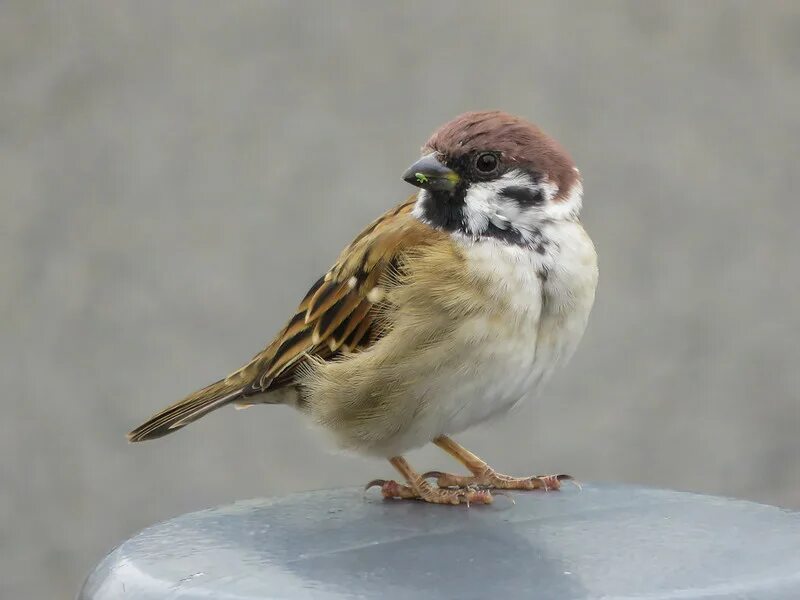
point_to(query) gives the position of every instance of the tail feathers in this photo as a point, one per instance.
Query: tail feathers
(187, 410)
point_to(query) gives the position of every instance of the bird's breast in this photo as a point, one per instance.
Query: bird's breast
(536, 309)
(496, 342)
(473, 328)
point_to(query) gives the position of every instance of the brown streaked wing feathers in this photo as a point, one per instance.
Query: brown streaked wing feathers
(336, 316)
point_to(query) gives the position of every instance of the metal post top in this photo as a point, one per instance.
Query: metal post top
(604, 541)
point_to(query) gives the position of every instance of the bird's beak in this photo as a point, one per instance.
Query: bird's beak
(430, 174)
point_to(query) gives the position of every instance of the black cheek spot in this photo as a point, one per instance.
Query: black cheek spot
(525, 196)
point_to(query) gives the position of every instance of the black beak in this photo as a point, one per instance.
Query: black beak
(429, 174)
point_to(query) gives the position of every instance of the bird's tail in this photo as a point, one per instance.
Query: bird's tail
(189, 409)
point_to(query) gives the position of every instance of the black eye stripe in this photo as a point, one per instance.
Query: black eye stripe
(524, 195)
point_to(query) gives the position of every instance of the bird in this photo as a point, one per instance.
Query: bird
(450, 309)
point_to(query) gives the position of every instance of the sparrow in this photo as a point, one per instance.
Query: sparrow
(450, 309)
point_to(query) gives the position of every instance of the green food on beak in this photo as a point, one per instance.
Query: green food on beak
(430, 174)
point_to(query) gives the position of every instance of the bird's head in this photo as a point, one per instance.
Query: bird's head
(491, 174)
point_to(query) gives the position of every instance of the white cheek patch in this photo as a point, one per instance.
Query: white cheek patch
(485, 205)
(548, 189)
(569, 207)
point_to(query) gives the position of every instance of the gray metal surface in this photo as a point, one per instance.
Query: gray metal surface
(601, 542)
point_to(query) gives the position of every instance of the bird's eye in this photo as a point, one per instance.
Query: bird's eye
(486, 163)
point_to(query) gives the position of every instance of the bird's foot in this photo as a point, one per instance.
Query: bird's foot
(489, 479)
(422, 490)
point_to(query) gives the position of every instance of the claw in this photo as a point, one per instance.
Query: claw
(504, 494)
(572, 480)
(553, 482)
(391, 489)
(432, 475)
(375, 483)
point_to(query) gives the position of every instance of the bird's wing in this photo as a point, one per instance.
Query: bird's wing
(339, 314)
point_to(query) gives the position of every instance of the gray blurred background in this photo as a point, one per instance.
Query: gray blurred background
(173, 176)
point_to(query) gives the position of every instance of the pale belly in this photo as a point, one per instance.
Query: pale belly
(397, 396)
(507, 366)
(497, 372)
(503, 361)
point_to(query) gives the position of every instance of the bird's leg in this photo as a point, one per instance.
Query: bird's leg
(485, 477)
(419, 489)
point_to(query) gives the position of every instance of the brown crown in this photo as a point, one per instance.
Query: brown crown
(517, 140)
